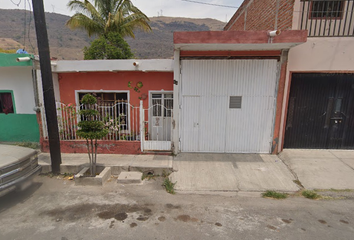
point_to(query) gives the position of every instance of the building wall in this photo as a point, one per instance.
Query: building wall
(69, 82)
(324, 54)
(262, 15)
(21, 125)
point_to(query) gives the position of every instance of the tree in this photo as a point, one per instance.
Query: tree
(105, 16)
(91, 129)
(111, 46)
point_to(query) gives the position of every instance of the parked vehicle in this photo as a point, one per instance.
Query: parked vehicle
(18, 166)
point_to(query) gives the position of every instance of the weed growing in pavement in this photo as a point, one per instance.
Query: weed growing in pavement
(32, 145)
(169, 186)
(274, 194)
(310, 194)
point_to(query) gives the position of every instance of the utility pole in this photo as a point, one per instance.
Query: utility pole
(47, 84)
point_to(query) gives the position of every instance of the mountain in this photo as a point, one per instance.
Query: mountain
(17, 29)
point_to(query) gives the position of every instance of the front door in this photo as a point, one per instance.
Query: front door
(321, 112)
(160, 120)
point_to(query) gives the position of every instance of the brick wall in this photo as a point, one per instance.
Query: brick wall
(261, 15)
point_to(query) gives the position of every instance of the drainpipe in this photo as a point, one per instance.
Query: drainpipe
(35, 87)
(276, 14)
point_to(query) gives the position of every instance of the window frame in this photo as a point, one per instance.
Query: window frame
(77, 99)
(13, 100)
(342, 3)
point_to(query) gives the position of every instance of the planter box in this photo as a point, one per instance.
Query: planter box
(81, 179)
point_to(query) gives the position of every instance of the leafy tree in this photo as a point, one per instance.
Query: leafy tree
(111, 46)
(104, 16)
(91, 129)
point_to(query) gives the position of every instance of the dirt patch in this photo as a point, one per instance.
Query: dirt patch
(142, 218)
(132, 225)
(171, 206)
(162, 219)
(322, 221)
(121, 216)
(271, 227)
(80, 211)
(218, 224)
(287, 221)
(183, 218)
(343, 221)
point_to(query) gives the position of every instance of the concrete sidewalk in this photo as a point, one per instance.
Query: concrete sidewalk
(231, 173)
(321, 169)
(74, 162)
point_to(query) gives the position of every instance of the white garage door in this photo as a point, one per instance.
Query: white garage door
(227, 105)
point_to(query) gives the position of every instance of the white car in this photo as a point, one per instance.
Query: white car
(18, 165)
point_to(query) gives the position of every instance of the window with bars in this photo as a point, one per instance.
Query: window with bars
(113, 105)
(162, 104)
(326, 9)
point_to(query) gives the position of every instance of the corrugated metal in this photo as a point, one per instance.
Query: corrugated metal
(207, 122)
(321, 111)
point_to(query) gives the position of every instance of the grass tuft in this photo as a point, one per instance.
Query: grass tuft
(169, 186)
(274, 194)
(310, 194)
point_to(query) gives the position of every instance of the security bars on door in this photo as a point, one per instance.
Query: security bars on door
(121, 119)
(158, 128)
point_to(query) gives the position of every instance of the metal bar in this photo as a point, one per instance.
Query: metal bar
(335, 19)
(309, 13)
(312, 19)
(346, 17)
(307, 17)
(351, 17)
(302, 15)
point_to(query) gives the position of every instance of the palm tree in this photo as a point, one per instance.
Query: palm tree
(105, 16)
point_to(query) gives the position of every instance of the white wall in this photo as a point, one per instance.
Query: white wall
(19, 80)
(152, 65)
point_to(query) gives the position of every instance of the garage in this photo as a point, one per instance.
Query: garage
(320, 111)
(228, 106)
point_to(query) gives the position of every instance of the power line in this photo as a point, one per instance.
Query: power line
(25, 27)
(29, 26)
(17, 4)
(210, 4)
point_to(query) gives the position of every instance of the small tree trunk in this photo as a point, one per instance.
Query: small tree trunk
(93, 165)
(95, 155)
(89, 153)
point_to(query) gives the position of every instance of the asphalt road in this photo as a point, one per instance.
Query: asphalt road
(53, 208)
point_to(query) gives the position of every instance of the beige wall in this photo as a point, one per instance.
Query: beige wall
(323, 54)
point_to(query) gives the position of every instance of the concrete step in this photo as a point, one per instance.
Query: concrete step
(130, 177)
(75, 162)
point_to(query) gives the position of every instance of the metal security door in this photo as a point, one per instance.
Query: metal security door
(160, 119)
(320, 113)
(227, 105)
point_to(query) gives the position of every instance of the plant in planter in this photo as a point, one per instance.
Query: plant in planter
(91, 129)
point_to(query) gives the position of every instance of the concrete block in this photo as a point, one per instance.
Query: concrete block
(129, 177)
(82, 180)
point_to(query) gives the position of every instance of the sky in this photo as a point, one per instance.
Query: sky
(152, 8)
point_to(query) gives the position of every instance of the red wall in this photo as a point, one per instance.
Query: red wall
(69, 82)
(261, 15)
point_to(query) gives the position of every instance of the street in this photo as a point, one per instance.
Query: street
(53, 208)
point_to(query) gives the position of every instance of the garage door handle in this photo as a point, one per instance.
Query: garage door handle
(329, 111)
